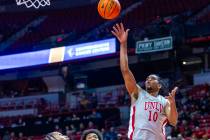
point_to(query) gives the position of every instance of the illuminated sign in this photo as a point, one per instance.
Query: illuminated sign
(154, 45)
(90, 49)
(60, 54)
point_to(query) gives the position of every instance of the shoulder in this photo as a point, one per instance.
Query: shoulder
(163, 100)
(138, 94)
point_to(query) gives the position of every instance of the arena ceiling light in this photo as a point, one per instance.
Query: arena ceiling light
(191, 61)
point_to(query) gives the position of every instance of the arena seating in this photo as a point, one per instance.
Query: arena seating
(71, 20)
(194, 118)
(12, 22)
(204, 18)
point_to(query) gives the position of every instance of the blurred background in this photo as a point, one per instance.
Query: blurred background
(52, 80)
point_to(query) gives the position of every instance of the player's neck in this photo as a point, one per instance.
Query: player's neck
(155, 94)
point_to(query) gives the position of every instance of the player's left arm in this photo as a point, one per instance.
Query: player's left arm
(170, 109)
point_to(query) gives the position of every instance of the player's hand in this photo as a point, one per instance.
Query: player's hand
(171, 96)
(120, 33)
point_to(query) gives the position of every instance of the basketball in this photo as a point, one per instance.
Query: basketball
(109, 9)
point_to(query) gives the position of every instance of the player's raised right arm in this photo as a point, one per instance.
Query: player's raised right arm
(130, 82)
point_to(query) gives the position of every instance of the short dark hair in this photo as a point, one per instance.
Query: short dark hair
(95, 131)
(164, 88)
(50, 136)
(158, 77)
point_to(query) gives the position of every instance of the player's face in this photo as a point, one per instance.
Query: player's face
(152, 84)
(92, 136)
(59, 136)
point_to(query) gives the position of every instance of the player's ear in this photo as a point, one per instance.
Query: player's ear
(159, 86)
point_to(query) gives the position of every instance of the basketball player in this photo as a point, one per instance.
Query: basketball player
(149, 111)
(55, 136)
(91, 134)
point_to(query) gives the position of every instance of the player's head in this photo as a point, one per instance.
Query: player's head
(91, 134)
(153, 83)
(55, 136)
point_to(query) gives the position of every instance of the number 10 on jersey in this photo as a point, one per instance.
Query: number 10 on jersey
(153, 116)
